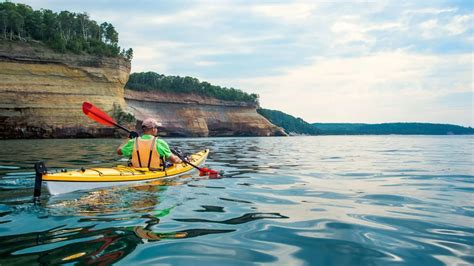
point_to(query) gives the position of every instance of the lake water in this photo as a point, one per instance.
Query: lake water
(324, 200)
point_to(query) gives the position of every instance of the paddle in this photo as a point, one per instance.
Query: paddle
(202, 170)
(101, 117)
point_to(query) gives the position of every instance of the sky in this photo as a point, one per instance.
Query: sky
(323, 61)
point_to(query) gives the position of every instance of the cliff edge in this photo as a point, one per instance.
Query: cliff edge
(41, 92)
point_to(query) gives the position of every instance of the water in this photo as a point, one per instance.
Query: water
(329, 200)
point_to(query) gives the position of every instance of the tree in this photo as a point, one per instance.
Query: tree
(103, 30)
(129, 54)
(16, 23)
(110, 34)
(4, 22)
(288, 122)
(33, 25)
(49, 25)
(63, 31)
(83, 19)
(65, 23)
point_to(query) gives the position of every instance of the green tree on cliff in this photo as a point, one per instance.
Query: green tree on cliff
(288, 122)
(151, 81)
(129, 54)
(4, 22)
(63, 31)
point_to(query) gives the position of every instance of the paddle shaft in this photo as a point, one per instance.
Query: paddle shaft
(184, 160)
(202, 171)
(121, 127)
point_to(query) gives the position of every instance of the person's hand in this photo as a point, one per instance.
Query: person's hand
(133, 135)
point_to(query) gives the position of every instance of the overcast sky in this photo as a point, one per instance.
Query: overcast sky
(327, 61)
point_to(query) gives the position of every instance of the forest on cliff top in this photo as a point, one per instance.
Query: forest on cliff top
(151, 81)
(63, 31)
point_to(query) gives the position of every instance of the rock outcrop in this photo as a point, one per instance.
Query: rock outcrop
(197, 116)
(41, 92)
(41, 96)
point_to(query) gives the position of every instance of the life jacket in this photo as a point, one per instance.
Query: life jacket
(145, 155)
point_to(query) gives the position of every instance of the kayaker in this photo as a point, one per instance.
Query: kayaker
(147, 151)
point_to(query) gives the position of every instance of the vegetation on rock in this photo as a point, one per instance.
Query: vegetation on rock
(391, 128)
(121, 116)
(289, 123)
(63, 31)
(151, 81)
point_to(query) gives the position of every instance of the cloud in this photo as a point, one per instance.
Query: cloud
(286, 13)
(199, 15)
(432, 11)
(351, 32)
(396, 86)
(433, 28)
(429, 28)
(459, 24)
(205, 63)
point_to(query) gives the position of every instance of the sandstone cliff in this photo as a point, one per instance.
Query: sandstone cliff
(41, 92)
(41, 96)
(197, 116)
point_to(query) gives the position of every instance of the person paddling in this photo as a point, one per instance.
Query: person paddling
(147, 151)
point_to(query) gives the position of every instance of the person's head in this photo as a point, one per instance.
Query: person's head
(150, 126)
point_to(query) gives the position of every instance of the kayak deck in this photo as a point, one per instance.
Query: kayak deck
(63, 182)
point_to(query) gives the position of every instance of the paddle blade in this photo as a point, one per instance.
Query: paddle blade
(209, 172)
(202, 172)
(97, 115)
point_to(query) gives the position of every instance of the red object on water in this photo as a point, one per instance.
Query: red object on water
(214, 176)
(211, 173)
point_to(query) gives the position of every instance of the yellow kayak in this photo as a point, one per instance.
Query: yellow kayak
(85, 179)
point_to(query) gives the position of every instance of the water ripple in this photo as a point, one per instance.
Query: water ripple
(327, 200)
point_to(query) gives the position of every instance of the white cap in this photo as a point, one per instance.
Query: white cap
(150, 123)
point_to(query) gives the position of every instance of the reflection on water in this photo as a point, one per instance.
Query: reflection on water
(133, 199)
(85, 245)
(336, 200)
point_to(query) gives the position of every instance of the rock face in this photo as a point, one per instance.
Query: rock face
(197, 116)
(41, 92)
(41, 96)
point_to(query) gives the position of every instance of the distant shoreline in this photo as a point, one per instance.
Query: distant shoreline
(401, 128)
(297, 126)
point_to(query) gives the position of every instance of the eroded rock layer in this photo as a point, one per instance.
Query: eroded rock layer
(197, 116)
(41, 92)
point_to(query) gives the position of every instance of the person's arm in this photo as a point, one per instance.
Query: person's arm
(175, 159)
(127, 145)
(164, 149)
